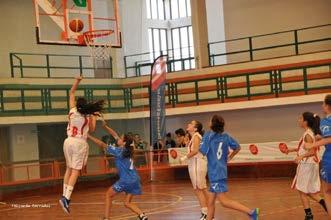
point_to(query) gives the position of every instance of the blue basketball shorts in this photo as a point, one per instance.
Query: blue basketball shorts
(133, 187)
(220, 186)
(326, 172)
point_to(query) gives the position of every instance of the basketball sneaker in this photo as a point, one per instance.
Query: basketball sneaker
(309, 217)
(203, 216)
(142, 217)
(255, 214)
(64, 202)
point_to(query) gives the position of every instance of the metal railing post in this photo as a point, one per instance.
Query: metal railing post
(47, 66)
(250, 48)
(80, 65)
(11, 65)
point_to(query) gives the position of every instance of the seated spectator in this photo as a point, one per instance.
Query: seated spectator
(170, 143)
(187, 138)
(158, 145)
(180, 137)
(138, 143)
(158, 149)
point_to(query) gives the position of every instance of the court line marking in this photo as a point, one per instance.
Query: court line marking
(154, 212)
(124, 216)
(130, 215)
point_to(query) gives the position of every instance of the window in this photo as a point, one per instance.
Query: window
(180, 9)
(180, 42)
(155, 9)
(182, 48)
(158, 42)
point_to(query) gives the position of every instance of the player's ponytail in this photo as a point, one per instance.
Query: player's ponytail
(217, 124)
(313, 121)
(85, 108)
(199, 127)
(128, 147)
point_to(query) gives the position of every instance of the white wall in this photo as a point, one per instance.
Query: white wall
(24, 147)
(253, 17)
(278, 123)
(24, 142)
(245, 18)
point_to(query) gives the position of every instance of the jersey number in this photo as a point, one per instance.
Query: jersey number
(131, 166)
(74, 131)
(219, 151)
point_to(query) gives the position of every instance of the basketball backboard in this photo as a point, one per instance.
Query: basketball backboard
(53, 18)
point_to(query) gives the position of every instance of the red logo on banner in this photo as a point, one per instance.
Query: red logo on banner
(253, 149)
(173, 154)
(158, 73)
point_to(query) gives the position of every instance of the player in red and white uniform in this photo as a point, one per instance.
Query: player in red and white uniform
(307, 180)
(197, 165)
(81, 120)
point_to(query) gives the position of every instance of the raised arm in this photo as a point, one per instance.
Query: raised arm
(109, 129)
(92, 123)
(72, 92)
(97, 141)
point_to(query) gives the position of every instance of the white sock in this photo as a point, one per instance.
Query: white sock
(68, 192)
(204, 210)
(65, 186)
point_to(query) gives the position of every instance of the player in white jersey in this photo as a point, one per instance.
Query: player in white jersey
(81, 120)
(307, 180)
(197, 166)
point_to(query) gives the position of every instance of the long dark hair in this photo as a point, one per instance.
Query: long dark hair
(313, 121)
(85, 108)
(128, 147)
(199, 127)
(217, 124)
(327, 100)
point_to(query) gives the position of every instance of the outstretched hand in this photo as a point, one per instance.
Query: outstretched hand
(79, 78)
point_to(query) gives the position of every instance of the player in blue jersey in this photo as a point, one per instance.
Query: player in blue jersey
(325, 126)
(129, 181)
(215, 145)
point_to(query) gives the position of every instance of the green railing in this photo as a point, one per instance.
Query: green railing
(54, 65)
(140, 64)
(270, 82)
(273, 45)
(278, 44)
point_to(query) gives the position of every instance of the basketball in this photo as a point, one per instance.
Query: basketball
(76, 25)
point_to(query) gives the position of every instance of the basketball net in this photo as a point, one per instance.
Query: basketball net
(98, 42)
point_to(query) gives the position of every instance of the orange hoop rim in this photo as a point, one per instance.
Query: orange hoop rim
(90, 35)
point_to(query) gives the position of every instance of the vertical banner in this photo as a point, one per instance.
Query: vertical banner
(157, 99)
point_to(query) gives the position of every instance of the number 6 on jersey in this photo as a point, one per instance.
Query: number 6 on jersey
(219, 151)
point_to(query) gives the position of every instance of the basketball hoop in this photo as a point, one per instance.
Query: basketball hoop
(99, 43)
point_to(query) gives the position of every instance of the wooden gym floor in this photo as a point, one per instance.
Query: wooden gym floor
(166, 201)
